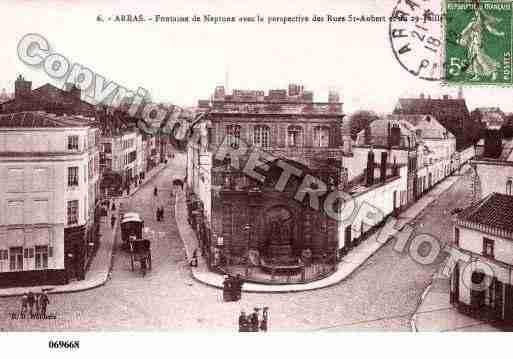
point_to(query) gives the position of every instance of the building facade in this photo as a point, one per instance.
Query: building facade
(483, 286)
(122, 154)
(49, 168)
(246, 215)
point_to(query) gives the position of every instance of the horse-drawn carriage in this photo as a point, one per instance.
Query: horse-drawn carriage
(132, 236)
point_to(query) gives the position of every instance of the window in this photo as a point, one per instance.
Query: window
(15, 180)
(72, 212)
(132, 156)
(295, 136)
(107, 148)
(233, 133)
(72, 143)
(28, 253)
(4, 254)
(15, 212)
(321, 136)
(261, 136)
(509, 183)
(72, 176)
(41, 257)
(15, 258)
(488, 247)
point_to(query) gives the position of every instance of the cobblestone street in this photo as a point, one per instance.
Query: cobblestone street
(381, 295)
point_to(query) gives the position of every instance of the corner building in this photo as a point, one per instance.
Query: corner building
(242, 217)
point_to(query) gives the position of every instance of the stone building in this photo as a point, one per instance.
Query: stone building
(244, 215)
(49, 196)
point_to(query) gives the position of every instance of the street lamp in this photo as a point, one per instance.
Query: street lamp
(247, 228)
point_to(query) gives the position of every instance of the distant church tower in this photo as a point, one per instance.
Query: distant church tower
(460, 93)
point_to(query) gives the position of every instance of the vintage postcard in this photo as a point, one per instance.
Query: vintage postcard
(236, 166)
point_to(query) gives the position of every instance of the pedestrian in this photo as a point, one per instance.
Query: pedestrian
(31, 301)
(155, 191)
(24, 303)
(112, 221)
(113, 206)
(253, 320)
(44, 301)
(237, 286)
(194, 260)
(243, 322)
(36, 302)
(162, 213)
(227, 289)
(265, 319)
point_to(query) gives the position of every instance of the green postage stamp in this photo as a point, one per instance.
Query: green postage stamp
(478, 45)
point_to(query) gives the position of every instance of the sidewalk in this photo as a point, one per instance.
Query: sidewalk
(101, 264)
(350, 262)
(436, 314)
(149, 176)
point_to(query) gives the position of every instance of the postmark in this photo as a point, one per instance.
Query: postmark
(478, 45)
(415, 37)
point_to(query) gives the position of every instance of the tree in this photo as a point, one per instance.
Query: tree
(360, 120)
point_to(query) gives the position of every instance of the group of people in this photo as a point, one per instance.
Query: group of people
(232, 288)
(252, 322)
(160, 213)
(35, 303)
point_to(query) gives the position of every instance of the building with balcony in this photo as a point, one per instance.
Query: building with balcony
(49, 171)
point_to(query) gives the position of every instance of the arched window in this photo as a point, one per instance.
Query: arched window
(321, 136)
(261, 136)
(295, 136)
(509, 184)
(233, 133)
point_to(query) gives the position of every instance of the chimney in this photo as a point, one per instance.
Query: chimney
(370, 168)
(22, 88)
(383, 166)
(389, 137)
(333, 97)
(294, 90)
(492, 143)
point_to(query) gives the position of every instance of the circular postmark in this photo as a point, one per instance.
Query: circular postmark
(415, 33)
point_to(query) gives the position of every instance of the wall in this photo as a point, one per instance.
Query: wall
(493, 176)
(381, 197)
(472, 240)
(467, 154)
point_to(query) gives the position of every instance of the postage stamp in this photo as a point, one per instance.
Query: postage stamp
(478, 44)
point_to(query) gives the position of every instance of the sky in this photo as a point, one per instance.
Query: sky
(182, 63)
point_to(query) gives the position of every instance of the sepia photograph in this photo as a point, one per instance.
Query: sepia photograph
(203, 167)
